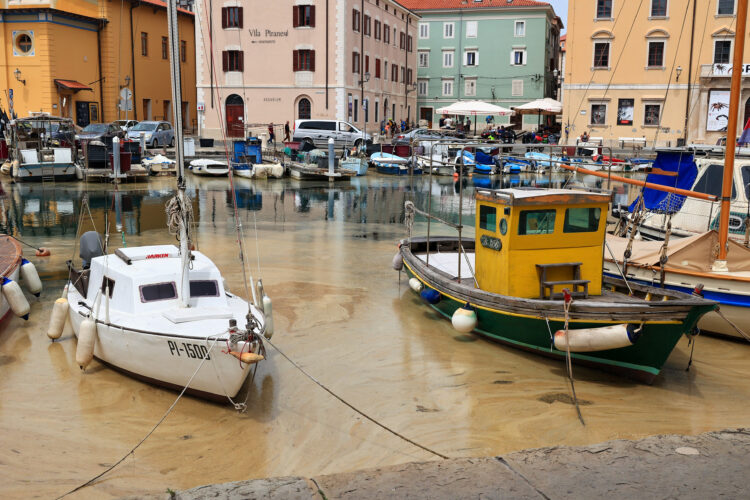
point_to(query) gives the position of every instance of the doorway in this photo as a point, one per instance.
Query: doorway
(426, 114)
(167, 111)
(235, 112)
(147, 109)
(304, 109)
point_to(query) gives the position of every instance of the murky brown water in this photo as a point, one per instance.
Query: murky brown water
(340, 313)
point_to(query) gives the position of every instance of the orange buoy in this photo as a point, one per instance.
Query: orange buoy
(42, 252)
(247, 357)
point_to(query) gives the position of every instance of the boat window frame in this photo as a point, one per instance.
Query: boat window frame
(143, 299)
(569, 229)
(702, 175)
(111, 283)
(215, 282)
(483, 220)
(523, 221)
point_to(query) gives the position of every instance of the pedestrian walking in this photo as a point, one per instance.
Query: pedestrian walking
(287, 132)
(271, 136)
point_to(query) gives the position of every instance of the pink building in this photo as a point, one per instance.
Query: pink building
(351, 60)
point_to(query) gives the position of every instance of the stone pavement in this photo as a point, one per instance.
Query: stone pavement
(711, 465)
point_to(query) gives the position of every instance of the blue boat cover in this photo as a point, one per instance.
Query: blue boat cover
(681, 162)
(484, 159)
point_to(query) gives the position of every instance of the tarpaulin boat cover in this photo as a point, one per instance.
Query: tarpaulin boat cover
(680, 162)
(694, 253)
(484, 159)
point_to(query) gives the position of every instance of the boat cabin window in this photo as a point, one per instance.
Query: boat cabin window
(581, 220)
(108, 282)
(204, 288)
(536, 222)
(158, 291)
(710, 181)
(746, 181)
(488, 218)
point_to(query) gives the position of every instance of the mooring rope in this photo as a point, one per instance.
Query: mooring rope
(132, 450)
(733, 325)
(568, 362)
(357, 410)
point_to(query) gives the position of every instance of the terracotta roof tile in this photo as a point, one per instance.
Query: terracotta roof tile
(417, 5)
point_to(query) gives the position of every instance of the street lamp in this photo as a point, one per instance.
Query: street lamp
(679, 72)
(17, 74)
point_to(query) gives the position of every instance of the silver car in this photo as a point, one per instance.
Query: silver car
(318, 132)
(157, 133)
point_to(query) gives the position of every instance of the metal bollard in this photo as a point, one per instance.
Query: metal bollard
(143, 143)
(331, 158)
(116, 157)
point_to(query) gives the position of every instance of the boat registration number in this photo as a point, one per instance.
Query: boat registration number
(195, 351)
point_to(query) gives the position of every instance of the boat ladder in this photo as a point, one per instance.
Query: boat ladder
(48, 173)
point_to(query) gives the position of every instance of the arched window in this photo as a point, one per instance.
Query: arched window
(303, 109)
(234, 99)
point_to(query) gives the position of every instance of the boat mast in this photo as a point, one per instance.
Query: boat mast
(734, 105)
(174, 67)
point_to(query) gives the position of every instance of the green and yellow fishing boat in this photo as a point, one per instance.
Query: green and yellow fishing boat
(534, 265)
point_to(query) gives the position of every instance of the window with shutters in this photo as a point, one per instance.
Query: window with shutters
(377, 68)
(448, 30)
(367, 25)
(183, 51)
(403, 74)
(520, 29)
(423, 59)
(448, 59)
(447, 88)
(470, 88)
(422, 87)
(378, 30)
(231, 17)
(518, 57)
(355, 20)
(402, 40)
(303, 60)
(164, 47)
(355, 62)
(144, 44)
(394, 73)
(303, 16)
(409, 47)
(471, 29)
(516, 88)
(409, 76)
(471, 58)
(233, 60)
(367, 64)
(385, 70)
(386, 33)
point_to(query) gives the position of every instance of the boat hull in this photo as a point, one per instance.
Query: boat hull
(531, 325)
(32, 173)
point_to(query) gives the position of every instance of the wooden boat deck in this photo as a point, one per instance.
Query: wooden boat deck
(10, 255)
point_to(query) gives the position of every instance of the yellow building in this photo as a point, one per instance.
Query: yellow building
(93, 61)
(653, 72)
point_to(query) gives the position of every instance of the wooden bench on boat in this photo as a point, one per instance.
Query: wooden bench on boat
(545, 284)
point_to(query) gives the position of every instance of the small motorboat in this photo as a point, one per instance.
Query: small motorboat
(159, 165)
(358, 165)
(211, 168)
(387, 163)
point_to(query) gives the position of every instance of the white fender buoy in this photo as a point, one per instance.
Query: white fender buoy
(398, 262)
(86, 342)
(464, 319)
(416, 285)
(268, 312)
(30, 277)
(16, 299)
(598, 339)
(57, 318)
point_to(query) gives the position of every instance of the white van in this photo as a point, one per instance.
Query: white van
(318, 132)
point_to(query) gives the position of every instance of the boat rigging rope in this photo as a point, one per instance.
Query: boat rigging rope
(175, 216)
(566, 306)
(733, 325)
(663, 257)
(614, 259)
(357, 410)
(132, 450)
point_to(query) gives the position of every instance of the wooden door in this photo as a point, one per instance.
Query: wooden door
(235, 120)
(426, 114)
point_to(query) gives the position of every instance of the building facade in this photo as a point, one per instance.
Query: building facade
(93, 61)
(664, 82)
(350, 60)
(505, 53)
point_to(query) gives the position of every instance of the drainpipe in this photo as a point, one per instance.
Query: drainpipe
(406, 63)
(690, 77)
(132, 62)
(211, 48)
(362, 57)
(327, 43)
(101, 79)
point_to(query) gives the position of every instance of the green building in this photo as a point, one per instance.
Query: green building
(504, 52)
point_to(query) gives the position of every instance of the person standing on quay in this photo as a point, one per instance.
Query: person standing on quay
(287, 132)
(271, 136)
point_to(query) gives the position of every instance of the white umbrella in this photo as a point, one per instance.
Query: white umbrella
(540, 107)
(474, 108)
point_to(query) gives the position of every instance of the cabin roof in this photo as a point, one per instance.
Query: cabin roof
(151, 263)
(540, 196)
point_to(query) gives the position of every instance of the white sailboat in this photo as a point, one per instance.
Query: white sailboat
(161, 313)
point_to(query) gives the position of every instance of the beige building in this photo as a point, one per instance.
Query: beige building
(350, 60)
(656, 71)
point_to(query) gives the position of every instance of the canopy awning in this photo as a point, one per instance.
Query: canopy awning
(474, 108)
(544, 106)
(71, 85)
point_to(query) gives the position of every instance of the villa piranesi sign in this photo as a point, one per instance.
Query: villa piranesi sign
(266, 35)
(726, 70)
(718, 111)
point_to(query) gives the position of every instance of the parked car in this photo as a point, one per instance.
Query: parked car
(416, 135)
(318, 132)
(157, 133)
(125, 124)
(100, 132)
